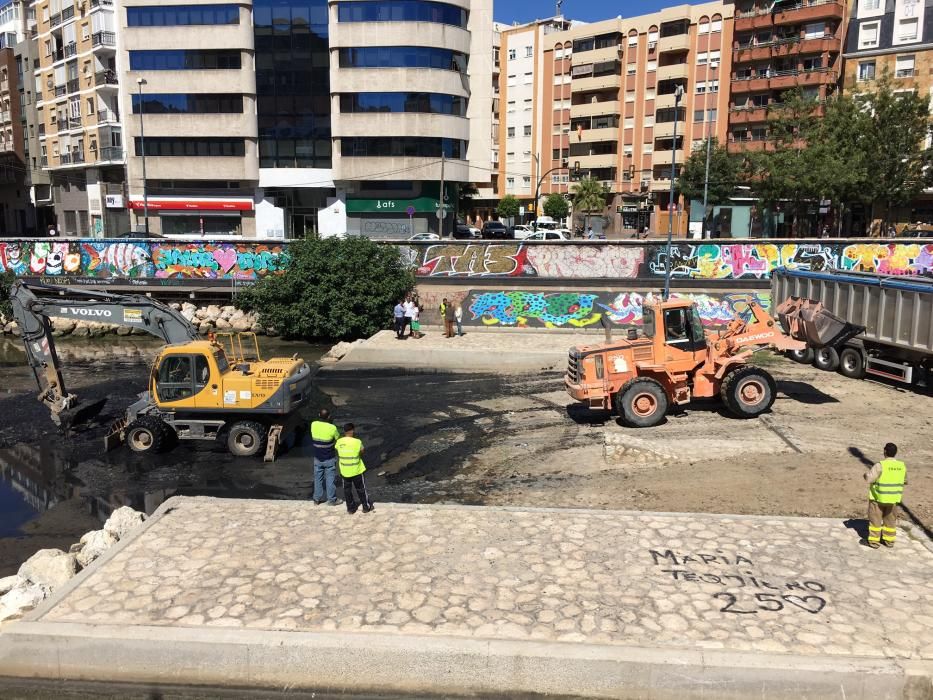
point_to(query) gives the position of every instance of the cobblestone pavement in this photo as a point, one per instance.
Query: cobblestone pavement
(794, 585)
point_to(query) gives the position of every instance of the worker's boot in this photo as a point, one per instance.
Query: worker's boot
(887, 544)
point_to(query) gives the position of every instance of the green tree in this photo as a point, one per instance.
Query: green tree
(332, 289)
(508, 207)
(465, 194)
(6, 281)
(556, 206)
(724, 174)
(588, 196)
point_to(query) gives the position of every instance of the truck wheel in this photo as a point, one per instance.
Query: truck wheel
(852, 363)
(826, 359)
(804, 357)
(146, 434)
(246, 438)
(748, 391)
(642, 403)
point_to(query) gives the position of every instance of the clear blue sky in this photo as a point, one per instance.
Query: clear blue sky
(509, 11)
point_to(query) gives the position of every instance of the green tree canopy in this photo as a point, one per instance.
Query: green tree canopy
(465, 194)
(508, 207)
(332, 290)
(588, 196)
(6, 281)
(724, 171)
(556, 206)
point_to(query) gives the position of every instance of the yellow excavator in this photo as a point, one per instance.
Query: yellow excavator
(198, 389)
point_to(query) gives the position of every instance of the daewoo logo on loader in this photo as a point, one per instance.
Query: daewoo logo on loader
(753, 338)
(97, 313)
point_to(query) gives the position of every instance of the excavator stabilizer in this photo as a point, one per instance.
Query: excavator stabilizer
(811, 322)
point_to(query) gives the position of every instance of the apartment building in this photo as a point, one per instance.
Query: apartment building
(611, 103)
(778, 46)
(14, 194)
(80, 133)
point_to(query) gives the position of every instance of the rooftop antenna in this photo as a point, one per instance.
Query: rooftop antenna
(559, 3)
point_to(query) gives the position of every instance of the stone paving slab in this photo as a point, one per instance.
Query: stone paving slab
(678, 584)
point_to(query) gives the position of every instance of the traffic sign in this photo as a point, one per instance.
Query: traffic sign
(410, 211)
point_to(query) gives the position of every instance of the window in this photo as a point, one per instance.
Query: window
(814, 31)
(401, 57)
(712, 86)
(702, 58)
(401, 11)
(904, 68)
(512, 54)
(698, 115)
(529, 78)
(651, 66)
(647, 149)
(812, 64)
(200, 59)
(510, 182)
(653, 36)
(526, 181)
(630, 69)
(868, 35)
(649, 93)
(630, 96)
(907, 30)
(866, 70)
(648, 120)
(701, 87)
(527, 130)
(181, 15)
(175, 378)
(400, 147)
(716, 26)
(633, 40)
(714, 56)
(629, 123)
(869, 5)
(183, 146)
(703, 27)
(417, 102)
(512, 81)
(208, 103)
(529, 51)
(510, 132)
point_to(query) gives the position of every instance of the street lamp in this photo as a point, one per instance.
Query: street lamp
(709, 137)
(534, 225)
(142, 143)
(678, 94)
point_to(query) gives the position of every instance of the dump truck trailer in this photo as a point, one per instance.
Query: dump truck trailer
(870, 324)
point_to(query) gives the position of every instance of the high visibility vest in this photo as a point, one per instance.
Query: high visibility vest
(323, 437)
(348, 457)
(890, 485)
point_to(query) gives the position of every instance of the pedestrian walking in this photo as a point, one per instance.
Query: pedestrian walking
(324, 436)
(350, 458)
(589, 233)
(408, 305)
(399, 313)
(416, 319)
(886, 480)
(450, 315)
(458, 317)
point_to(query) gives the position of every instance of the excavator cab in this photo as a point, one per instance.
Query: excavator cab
(676, 332)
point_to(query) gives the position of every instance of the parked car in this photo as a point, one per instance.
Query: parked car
(477, 233)
(521, 231)
(138, 234)
(463, 232)
(915, 233)
(545, 235)
(425, 237)
(495, 229)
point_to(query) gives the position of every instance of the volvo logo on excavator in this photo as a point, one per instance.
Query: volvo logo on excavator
(99, 313)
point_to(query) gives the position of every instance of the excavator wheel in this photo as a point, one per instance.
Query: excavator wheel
(748, 391)
(804, 357)
(826, 359)
(642, 403)
(246, 438)
(147, 434)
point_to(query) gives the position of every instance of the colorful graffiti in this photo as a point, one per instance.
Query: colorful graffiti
(96, 260)
(582, 309)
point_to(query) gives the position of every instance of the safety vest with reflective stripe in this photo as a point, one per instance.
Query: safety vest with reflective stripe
(323, 437)
(889, 488)
(348, 457)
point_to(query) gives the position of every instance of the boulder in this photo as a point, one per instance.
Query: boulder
(188, 314)
(49, 568)
(256, 328)
(95, 543)
(272, 333)
(122, 520)
(21, 599)
(124, 330)
(201, 314)
(81, 330)
(176, 306)
(223, 324)
(237, 314)
(8, 583)
(8, 327)
(64, 325)
(227, 312)
(240, 325)
(213, 311)
(205, 327)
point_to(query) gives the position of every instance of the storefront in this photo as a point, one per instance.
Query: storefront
(207, 218)
(398, 210)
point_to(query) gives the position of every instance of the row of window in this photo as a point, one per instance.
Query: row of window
(184, 146)
(904, 67)
(182, 59)
(403, 57)
(181, 15)
(402, 147)
(510, 131)
(869, 33)
(420, 102)
(402, 11)
(180, 103)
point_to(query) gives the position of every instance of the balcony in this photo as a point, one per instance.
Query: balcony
(675, 70)
(678, 42)
(101, 3)
(601, 82)
(73, 158)
(55, 20)
(70, 50)
(107, 116)
(609, 53)
(784, 80)
(68, 13)
(604, 160)
(595, 135)
(667, 129)
(748, 115)
(753, 84)
(108, 39)
(594, 109)
(741, 145)
(803, 12)
(105, 78)
(73, 85)
(111, 154)
(60, 90)
(5, 116)
(662, 101)
(664, 155)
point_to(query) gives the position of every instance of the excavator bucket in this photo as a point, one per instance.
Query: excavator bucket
(809, 321)
(78, 415)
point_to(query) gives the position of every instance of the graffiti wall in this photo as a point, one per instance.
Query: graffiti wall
(162, 262)
(712, 262)
(582, 309)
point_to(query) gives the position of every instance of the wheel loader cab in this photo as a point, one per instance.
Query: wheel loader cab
(677, 333)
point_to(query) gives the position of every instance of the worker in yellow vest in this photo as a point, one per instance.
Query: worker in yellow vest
(350, 462)
(886, 481)
(324, 436)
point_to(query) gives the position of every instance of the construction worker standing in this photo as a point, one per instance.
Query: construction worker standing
(324, 435)
(886, 481)
(350, 460)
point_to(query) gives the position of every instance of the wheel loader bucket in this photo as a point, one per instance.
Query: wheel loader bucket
(809, 321)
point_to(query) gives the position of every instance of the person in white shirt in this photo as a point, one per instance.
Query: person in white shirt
(416, 320)
(409, 306)
(458, 317)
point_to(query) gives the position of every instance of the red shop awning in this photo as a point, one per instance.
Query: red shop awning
(195, 204)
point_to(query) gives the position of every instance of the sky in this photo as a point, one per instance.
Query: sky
(509, 11)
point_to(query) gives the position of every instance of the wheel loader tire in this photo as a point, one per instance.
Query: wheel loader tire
(147, 434)
(804, 357)
(852, 363)
(826, 359)
(748, 391)
(642, 403)
(246, 438)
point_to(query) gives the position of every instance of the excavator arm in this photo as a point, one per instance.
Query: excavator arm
(33, 312)
(759, 330)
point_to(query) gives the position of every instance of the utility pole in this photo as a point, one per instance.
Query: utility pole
(142, 143)
(709, 138)
(441, 212)
(678, 94)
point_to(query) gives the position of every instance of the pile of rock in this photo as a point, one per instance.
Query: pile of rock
(207, 319)
(48, 569)
(339, 351)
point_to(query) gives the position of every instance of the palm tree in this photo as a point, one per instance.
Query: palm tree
(588, 196)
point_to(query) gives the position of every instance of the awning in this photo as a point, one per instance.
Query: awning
(156, 204)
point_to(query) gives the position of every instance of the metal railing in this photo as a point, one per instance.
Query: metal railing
(60, 90)
(111, 153)
(106, 115)
(105, 77)
(775, 9)
(73, 85)
(104, 39)
(782, 74)
(68, 13)
(71, 50)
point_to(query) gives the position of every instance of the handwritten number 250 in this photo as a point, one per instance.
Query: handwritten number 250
(772, 602)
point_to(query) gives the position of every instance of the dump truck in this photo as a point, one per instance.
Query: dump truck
(199, 389)
(870, 324)
(673, 360)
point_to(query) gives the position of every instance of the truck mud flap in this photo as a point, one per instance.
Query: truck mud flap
(811, 322)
